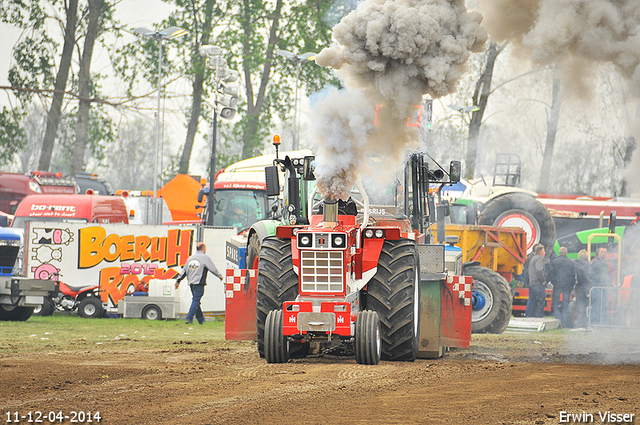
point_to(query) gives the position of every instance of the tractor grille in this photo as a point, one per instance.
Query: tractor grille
(431, 258)
(322, 271)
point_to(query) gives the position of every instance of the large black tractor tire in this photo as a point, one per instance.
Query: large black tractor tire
(518, 209)
(492, 302)
(46, 309)
(368, 342)
(393, 293)
(91, 307)
(253, 251)
(277, 283)
(276, 345)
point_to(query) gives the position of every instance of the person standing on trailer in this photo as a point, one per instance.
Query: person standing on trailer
(562, 273)
(195, 270)
(537, 281)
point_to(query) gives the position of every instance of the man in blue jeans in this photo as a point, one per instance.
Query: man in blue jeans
(537, 283)
(195, 270)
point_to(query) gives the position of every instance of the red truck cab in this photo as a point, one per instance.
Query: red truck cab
(77, 208)
(14, 187)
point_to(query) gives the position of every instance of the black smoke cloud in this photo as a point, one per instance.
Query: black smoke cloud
(388, 54)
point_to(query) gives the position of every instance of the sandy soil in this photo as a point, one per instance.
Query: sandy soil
(499, 380)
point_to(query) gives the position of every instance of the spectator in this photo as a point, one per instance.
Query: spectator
(195, 270)
(601, 276)
(537, 281)
(562, 273)
(582, 288)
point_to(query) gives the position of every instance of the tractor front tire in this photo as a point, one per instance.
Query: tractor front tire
(393, 293)
(368, 343)
(253, 251)
(277, 283)
(492, 302)
(276, 345)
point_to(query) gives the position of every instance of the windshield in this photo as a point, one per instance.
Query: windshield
(20, 221)
(239, 208)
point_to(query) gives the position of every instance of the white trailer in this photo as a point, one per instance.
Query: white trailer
(123, 258)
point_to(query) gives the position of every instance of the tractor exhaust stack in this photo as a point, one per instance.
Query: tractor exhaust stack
(330, 213)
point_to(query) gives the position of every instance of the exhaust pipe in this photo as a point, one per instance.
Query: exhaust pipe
(330, 213)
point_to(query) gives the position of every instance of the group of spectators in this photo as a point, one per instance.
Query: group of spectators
(568, 275)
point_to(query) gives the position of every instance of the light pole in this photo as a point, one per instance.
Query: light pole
(166, 34)
(225, 98)
(297, 60)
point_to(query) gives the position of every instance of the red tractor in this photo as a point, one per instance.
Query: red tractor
(351, 281)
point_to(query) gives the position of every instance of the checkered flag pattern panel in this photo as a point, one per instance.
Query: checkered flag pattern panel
(462, 285)
(236, 279)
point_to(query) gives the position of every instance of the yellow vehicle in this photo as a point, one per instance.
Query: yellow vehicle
(493, 256)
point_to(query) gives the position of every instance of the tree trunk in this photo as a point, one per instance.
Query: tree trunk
(254, 106)
(552, 129)
(53, 118)
(196, 105)
(84, 78)
(480, 100)
(626, 162)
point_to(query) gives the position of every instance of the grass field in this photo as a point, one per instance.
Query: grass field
(69, 332)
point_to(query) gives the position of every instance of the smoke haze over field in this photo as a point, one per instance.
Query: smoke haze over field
(576, 35)
(388, 53)
(571, 32)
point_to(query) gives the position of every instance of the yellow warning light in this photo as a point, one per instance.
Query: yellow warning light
(276, 139)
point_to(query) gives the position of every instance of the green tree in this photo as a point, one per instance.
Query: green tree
(94, 24)
(261, 28)
(12, 136)
(249, 32)
(53, 118)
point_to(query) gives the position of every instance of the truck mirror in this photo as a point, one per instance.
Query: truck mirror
(309, 168)
(272, 181)
(455, 171)
(200, 195)
(220, 204)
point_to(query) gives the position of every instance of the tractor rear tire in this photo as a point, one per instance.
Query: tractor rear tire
(368, 343)
(521, 210)
(277, 283)
(495, 312)
(276, 345)
(393, 293)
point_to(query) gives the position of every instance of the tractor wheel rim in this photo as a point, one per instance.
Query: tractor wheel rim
(480, 289)
(523, 220)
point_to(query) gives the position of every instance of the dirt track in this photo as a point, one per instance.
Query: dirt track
(497, 381)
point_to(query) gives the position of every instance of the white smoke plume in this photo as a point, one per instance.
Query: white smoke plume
(574, 33)
(390, 54)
